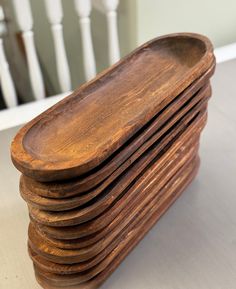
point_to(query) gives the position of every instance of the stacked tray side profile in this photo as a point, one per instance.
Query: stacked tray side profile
(102, 166)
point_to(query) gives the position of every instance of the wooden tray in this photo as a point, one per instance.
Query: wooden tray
(125, 212)
(93, 226)
(104, 113)
(81, 184)
(108, 265)
(52, 204)
(157, 197)
(157, 179)
(99, 279)
(100, 204)
(169, 159)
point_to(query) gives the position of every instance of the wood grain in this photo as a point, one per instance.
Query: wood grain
(157, 200)
(80, 215)
(153, 178)
(168, 159)
(88, 228)
(49, 281)
(29, 192)
(85, 183)
(100, 167)
(169, 65)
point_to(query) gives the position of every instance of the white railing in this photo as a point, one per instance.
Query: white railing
(109, 7)
(54, 12)
(25, 22)
(6, 82)
(55, 15)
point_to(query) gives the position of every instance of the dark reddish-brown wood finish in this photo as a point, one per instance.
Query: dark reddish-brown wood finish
(102, 166)
(99, 205)
(82, 184)
(134, 90)
(166, 162)
(53, 281)
(29, 189)
(158, 178)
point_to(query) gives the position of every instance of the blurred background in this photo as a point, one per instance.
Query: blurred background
(50, 47)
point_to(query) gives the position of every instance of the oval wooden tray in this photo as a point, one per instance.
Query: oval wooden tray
(107, 222)
(131, 243)
(29, 193)
(85, 183)
(156, 207)
(169, 159)
(100, 204)
(88, 228)
(52, 204)
(92, 250)
(90, 125)
(68, 257)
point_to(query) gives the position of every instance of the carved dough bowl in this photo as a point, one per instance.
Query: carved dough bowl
(83, 130)
(95, 182)
(98, 206)
(103, 165)
(97, 274)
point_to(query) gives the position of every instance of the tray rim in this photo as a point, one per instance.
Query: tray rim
(35, 168)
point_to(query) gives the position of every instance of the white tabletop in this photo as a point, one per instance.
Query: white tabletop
(193, 246)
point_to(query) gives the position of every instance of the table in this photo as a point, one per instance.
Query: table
(194, 244)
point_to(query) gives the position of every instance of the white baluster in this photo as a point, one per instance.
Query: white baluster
(110, 7)
(7, 85)
(55, 15)
(25, 22)
(83, 8)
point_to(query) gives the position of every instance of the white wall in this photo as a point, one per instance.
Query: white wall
(214, 18)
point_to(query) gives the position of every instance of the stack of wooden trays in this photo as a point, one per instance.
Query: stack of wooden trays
(100, 167)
